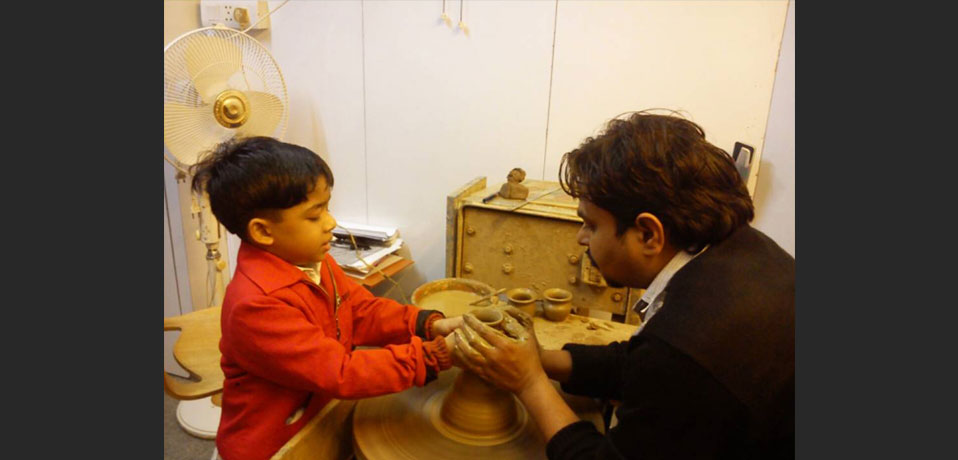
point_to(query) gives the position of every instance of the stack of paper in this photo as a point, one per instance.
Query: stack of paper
(346, 256)
(374, 245)
(382, 235)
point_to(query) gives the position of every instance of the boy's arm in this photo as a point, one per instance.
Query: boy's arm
(378, 321)
(275, 341)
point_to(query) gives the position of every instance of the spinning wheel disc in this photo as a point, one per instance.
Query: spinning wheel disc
(409, 425)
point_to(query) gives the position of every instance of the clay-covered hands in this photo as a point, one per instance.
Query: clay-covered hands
(445, 326)
(511, 364)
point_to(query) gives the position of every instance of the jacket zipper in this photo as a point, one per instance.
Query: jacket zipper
(335, 302)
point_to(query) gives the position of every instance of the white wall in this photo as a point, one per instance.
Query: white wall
(714, 60)
(406, 110)
(775, 191)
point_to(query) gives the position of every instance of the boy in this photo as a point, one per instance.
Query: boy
(290, 317)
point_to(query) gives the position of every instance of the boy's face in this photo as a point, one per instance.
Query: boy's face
(303, 234)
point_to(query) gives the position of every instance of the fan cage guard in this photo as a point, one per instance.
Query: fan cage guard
(257, 71)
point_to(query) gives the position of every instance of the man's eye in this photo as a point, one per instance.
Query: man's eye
(314, 219)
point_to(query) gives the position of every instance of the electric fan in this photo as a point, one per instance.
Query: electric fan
(217, 83)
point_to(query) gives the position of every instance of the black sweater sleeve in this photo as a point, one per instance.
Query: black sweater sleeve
(670, 408)
(596, 369)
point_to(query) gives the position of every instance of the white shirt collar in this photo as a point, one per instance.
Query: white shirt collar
(654, 295)
(313, 272)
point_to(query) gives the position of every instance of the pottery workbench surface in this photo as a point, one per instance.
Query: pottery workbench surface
(552, 335)
(580, 329)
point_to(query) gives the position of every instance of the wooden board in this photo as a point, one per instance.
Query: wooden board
(197, 350)
(328, 435)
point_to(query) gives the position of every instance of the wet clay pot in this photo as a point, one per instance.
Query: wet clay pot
(524, 299)
(489, 316)
(558, 304)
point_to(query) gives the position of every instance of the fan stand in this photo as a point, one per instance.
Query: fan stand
(201, 63)
(200, 417)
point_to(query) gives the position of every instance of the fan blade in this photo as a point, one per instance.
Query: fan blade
(266, 111)
(211, 61)
(189, 131)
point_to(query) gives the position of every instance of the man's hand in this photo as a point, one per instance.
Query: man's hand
(513, 365)
(445, 326)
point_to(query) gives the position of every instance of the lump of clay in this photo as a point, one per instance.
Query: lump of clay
(513, 189)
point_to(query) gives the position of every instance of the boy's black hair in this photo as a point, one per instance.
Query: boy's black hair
(256, 177)
(660, 164)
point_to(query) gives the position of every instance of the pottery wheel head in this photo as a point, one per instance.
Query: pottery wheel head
(456, 416)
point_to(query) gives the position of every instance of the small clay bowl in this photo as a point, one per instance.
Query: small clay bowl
(524, 299)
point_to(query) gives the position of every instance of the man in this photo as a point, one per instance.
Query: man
(710, 372)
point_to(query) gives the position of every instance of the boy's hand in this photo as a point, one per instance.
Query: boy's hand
(453, 350)
(445, 326)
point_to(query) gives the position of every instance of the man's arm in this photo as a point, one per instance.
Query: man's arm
(557, 364)
(546, 407)
(671, 408)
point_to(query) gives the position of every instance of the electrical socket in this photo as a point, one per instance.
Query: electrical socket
(234, 14)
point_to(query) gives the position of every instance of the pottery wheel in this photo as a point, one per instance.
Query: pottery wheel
(412, 424)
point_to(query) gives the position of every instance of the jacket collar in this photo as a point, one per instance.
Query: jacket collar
(266, 270)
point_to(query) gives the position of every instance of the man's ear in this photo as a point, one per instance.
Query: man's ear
(651, 233)
(259, 231)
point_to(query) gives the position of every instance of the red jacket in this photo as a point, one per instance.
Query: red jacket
(281, 352)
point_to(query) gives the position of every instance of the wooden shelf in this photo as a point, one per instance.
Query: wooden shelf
(374, 279)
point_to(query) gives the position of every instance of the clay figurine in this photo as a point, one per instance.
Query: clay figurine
(513, 189)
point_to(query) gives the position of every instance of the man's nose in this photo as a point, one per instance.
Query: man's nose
(582, 237)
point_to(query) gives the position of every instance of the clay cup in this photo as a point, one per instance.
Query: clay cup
(524, 299)
(558, 304)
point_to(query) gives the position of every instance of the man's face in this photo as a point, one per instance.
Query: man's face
(303, 234)
(612, 254)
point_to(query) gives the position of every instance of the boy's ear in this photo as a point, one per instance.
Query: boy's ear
(651, 233)
(259, 231)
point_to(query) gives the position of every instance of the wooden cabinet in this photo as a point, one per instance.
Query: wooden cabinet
(527, 243)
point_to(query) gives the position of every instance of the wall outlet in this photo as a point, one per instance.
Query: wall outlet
(742, 156)
(234, 14)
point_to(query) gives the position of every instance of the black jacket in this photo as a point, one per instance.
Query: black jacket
(712, 374)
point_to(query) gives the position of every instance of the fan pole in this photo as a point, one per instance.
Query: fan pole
(209, 234)
(201, 417)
